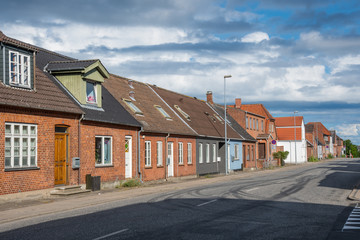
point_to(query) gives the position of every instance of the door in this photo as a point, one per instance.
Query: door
(170, 158)
(261, 150)
(128, 157)
(60, 159)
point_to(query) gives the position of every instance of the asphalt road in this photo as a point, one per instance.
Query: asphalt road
(307, 202)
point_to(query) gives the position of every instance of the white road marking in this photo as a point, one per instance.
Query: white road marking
(353, 219)
(202, 204)
(111, 234)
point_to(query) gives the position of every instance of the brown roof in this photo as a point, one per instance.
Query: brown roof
(146, 100)
(258, 109)
(6, 39)
(203, 119)
(288, 121)
(47, 96)
(320, 127)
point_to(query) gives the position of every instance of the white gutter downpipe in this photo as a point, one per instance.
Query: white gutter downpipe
(139, 175)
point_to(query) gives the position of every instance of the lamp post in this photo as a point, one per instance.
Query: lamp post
(295, 136)
(226, 147)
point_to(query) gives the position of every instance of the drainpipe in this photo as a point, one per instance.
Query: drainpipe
(79, 147)
(138, 155)
(256, 167)
(166, 152)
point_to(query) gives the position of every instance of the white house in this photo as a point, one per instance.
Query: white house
(291, 135)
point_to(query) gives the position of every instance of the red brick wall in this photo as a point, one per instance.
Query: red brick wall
(28, 180)
(87, 158)
(251, 162)
(155, 172)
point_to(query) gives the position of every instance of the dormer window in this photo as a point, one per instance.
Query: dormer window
(182, 112)
(19, 69)
(133, 107)
(162, 111)
(91, 92)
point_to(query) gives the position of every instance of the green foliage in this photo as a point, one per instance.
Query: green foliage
(351, 148)
(329, 156)
(131, 183)
(281, 155)
(313, 159)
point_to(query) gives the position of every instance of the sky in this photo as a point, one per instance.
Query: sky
(300, 55)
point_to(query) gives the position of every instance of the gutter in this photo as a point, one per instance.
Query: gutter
(139, 175)
(166, 151)
(79, 145)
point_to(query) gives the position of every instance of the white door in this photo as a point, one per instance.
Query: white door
(128, 157)
(170, 157)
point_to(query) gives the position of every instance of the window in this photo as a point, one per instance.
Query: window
(214, 152)
(91, 92)
(207, 153)
(159, 155)
(236, 153)
(103, 150)
(250, 123)
(262, 125)
(182, 112)
(132, 106)
(20, 145)
(201, 160)
(162, 111)
(19, 65)
(181, 153)
(253, 122)
(189, 153)
(248, 153)
(257, 124)
(147, 153)
(247, 122)
(252, 153)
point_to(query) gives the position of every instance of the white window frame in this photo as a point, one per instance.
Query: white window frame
(30, 137)
(159, 153)
(20, 73)
(181, 153)
(236, 152)
(95, 92)
(189, 153)
(133, 107)
(187, 116)
(147, 153)
(214, 152)
(103, 151)
(207, 152)
(201, 158)
(163, 112)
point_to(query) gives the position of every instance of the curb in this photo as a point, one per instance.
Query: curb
(355, 194)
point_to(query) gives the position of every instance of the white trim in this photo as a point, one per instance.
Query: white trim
(181, 153)
(19, 82)
(159, 153)
(189, 153)
(103, 151)
(147, 153)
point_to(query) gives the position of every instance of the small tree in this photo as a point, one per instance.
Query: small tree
(281, 156)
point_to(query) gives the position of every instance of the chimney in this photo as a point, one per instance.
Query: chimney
(237, 102)
(209, 97)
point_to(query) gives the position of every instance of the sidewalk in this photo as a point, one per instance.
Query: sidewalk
(39, 203)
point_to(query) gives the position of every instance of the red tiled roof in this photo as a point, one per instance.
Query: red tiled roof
(288, 121)
(320, 127)
(258, 109)
(288, 134)
(309, 137)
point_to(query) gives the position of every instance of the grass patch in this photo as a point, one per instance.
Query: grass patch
(313, 159)
(131, 183)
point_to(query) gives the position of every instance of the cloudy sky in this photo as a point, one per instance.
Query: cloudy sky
(301, 55)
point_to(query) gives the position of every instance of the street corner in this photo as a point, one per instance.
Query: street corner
(355, 194)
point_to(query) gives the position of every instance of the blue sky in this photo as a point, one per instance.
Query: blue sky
(289, 55)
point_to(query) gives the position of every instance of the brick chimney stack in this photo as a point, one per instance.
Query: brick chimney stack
(237, 102)
(209, 97)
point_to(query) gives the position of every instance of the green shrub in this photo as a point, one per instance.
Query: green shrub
(131, 183)
(281, 155)
(313, 159)
(329, 156)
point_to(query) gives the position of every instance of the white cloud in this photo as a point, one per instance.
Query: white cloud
(255, 37)
(348, 129)
(344, 63)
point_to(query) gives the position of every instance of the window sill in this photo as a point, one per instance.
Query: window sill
(190, 163)
(181, 164)
(148, 167)
(159, 166)
(21, 169)
(103, 166)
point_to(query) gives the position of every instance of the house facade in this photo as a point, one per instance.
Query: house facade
(291, 135)
(260, 124)
(167, 146)
(210, 129)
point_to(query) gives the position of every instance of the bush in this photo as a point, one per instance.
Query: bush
(329, 156)
(281, 155)
(131, 183)
(313, 159)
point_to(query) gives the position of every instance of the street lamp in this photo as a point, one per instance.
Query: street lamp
(226, 147)
(295, 136)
